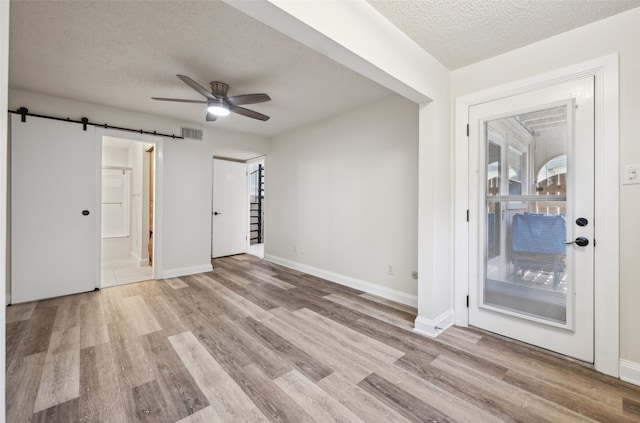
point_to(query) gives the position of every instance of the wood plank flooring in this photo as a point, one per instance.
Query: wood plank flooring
(255, 342)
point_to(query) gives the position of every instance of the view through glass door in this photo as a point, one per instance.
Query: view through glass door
(533, 195)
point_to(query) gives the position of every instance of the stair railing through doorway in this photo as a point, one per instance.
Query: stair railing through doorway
(256, 209)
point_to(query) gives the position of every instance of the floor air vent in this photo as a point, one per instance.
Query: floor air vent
(191, 133)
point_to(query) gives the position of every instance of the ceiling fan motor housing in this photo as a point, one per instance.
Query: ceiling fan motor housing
(219, 89)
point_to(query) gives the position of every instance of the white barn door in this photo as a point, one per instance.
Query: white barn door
(54, 219)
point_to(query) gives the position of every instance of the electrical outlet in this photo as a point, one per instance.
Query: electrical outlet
(631, 175)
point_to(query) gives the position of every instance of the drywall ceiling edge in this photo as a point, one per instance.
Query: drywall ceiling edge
(311, 24)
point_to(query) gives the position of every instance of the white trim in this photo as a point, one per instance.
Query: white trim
(607, 214)
(158, 210)
(607, 165)
(184, 271)
(433, 328)
(98, 208)
(630, 371)
(368, 287)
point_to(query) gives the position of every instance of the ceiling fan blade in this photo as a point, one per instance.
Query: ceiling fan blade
(239, 100)
(211, 117)
(179, 100)
(199, 88)
(248, 113)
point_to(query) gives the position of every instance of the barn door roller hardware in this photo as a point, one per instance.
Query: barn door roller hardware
(24, 112)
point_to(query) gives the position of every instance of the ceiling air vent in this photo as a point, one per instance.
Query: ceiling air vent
(191, 133)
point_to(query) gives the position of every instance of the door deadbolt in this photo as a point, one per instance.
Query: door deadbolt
(581, 221)
(85, 212)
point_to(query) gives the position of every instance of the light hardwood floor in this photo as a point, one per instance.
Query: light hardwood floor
(252, 341)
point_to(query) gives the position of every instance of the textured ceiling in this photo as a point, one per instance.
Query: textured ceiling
(122, 53)
(462, 32)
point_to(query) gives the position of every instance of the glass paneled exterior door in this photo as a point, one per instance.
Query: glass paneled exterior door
(531, 217)
(525, 203)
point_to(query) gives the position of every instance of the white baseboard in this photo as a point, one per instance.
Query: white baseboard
(630, 371)
(175, 273)
(368, 287)
(433, 327)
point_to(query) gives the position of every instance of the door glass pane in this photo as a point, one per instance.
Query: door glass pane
(494, 153)
(494, 168)
(525, 254)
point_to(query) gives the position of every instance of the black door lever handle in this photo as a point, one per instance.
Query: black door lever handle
(580, 241)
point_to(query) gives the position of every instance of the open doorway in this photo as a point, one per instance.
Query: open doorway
(127, 210)
(256, 208)
(237, 216)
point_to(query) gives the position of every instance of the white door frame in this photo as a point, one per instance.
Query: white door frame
(157, 141)
(259, 159)
(606, 212)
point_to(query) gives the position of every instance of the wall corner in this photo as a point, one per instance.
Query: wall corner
(433, 327)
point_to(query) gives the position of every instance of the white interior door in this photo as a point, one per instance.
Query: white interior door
(230, 208)
(531, 245)
(54, 220)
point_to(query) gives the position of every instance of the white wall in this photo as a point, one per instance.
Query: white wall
(342, 196)
(187, 174)
(357, 36)
(115, 156)
(187, 205)
(619, 33)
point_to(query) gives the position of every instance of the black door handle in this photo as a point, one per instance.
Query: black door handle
(580, 241)
(85, 212)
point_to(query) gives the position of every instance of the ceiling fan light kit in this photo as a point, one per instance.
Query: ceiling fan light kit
(218, 104)
(218, 108)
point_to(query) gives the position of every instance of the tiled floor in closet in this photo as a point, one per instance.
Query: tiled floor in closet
(124, 270)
